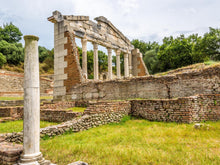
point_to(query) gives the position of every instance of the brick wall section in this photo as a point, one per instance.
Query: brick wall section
(206, 81)
(53, 115)
(73, 69)
(184, 110)
(107, 107)
(9, 153)
(49, 112)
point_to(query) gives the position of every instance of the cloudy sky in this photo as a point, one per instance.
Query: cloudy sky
(148, 20)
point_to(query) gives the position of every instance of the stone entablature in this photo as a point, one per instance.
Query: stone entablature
(103, 32)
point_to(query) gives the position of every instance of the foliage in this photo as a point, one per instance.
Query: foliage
(137, 142)
(10, 33)
(2, 60)
(13, 52)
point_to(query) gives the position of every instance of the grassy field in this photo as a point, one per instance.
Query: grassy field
(17, 126)
(21, 98)
(138, 142)
(77, 109)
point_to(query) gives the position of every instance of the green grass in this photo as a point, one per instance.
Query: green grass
(21, 98)
(137, 142)
(17, 126)
(210, 62)
(77, 109)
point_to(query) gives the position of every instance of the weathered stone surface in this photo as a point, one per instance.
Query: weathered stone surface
(11, 84)
(206, 81)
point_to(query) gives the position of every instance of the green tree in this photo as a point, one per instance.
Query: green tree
(43, 53)
(2, 60)
(10, 33)
(13, 52)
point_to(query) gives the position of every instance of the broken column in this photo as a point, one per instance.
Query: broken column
(31, 126)
(95, 61)
(118, 65)
(109, 63)
(84, 56)
(126, 69)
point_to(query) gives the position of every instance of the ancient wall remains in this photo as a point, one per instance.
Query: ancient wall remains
(98, 117)
(67, 70)
(206, 81)
(11, 84)
(183, 110)
(9, 153)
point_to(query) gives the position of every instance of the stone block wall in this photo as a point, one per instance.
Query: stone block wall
(53, 115)
(184, 110)
(206, 81)
(107, 113)
(9, 153)
(11, 84)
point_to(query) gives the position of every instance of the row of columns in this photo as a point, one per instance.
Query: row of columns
(127, 61)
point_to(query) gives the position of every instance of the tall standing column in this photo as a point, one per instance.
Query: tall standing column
(84, 56)
(109, 63)
(95, 61)
(118, 65)
(126, 69)
(130, 63)
(31, 125)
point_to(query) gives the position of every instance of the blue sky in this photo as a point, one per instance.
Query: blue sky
(148, 20)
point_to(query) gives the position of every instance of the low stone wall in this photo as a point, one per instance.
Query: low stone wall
(9, 103)
(204, 81)
(54, 115)
(184, 110)
(9, 153)
(95, 119)
(14, 112)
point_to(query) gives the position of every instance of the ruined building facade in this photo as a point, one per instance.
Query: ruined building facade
(67, 69)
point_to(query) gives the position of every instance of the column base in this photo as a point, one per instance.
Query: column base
(36, 159)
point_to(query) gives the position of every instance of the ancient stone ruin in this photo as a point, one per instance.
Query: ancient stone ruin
(67, 70)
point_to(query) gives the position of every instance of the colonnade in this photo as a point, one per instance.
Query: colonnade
(127, 61)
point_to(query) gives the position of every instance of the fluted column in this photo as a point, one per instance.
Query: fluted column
(95, 61)
(84, 56)
(126, 69)
(118, 65)
(109, 63)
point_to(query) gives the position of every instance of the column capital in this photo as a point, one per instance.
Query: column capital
(95, 45)
(83, 40)
(117, 52)
(125, 55)
(109, 50)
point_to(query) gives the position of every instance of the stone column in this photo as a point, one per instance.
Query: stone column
(130, 63)
(118, 65)
(84, 56)
(95, 61)
(109, 63)
(126, 69)
(31, 126)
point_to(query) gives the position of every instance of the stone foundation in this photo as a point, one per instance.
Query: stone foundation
(184, 110)
(205, 81)
(107, 113)
(9, 153)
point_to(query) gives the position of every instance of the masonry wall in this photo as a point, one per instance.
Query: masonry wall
(106, 113)
(184, 110)
(11, 84)
(206, 81)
